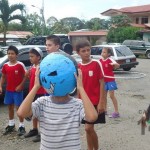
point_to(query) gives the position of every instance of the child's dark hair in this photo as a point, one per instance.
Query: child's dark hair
(82, 44)
(13, 48)
(55, 39)
(33, 51)
(108, 49)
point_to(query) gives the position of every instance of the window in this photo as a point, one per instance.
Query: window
(24, 58)
(137, 21)
(123, 51)
(96, 50)
(144, 20)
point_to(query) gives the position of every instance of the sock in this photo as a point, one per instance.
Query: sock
(21, 124)
(11, 122)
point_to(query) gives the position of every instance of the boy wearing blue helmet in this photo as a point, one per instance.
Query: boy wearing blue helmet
(59, 115)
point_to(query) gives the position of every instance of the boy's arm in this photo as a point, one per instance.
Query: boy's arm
(20, 86)
(90, 112)
(25, 109)
(100, 107)
(114, 64)
(2, 81)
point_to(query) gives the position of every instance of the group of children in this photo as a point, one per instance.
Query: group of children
(94, 80)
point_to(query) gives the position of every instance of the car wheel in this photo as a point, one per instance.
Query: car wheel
(127, 69)
(148, 54)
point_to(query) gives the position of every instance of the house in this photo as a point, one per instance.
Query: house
(95, 37)
(139, 15)
(15, 35)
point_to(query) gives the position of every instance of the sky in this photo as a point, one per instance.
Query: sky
(82, 9)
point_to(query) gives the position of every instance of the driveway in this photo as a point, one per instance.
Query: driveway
(117, 134)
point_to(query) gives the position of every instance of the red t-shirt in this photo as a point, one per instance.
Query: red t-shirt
(108, 69)
(91, 74)
(32, 79)
(14, 74)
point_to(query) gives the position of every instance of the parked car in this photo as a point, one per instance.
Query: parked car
(120, 53)
(23, 56)
(41, 40)
(114, 43)
(11, 42)
(138, 47)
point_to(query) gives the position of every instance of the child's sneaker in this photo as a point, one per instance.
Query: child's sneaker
(106, 113)
(114, 115)
(9, 129)
(31, 133)
(21, 131)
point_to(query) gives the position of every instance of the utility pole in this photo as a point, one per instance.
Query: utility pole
(42, 16)
(43, 19)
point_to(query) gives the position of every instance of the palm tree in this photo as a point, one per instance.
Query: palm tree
(7, 14)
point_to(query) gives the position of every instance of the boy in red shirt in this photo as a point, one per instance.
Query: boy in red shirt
(94, 86)
(13, 72)
(35, 56)
(108, 65)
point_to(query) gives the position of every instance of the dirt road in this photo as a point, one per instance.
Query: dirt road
(117, 134)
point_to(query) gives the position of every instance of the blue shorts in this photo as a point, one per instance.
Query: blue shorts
(15, 98)
(110, 86)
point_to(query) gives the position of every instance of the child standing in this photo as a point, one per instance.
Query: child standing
(53, 44)
(59, 116)
(13, 72)
(108, 66)
(94, 86)
(35, 56)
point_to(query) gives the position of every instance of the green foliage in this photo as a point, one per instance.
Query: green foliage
(34, 24)
(59, 27)
(118, 35)
(72, 23)
(120, 21)
(97, 24)
(7, 14)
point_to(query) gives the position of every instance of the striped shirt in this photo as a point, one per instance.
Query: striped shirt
(59, 123)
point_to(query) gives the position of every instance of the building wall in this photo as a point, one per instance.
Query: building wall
(146, 37)
(140, 16)
(94, 40)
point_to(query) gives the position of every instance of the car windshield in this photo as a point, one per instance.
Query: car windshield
(123, 51)
(3, 60)
(2, 53)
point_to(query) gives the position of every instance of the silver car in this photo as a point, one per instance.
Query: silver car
(120, 53)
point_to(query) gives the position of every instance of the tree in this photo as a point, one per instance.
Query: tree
(59, 27)
(97, 24)
(72, 23)
(51, 21)
(118, 35)
(7, 14)
(34, 24)
(120, 21)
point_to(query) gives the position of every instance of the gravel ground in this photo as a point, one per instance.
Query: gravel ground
(117, 134)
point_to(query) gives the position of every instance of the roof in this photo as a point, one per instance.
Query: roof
(145, 31)
(88, 33)
(20, 34)
(138, 25)
(133, 9)
(9, 36)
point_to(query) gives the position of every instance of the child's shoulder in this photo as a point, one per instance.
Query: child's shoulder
(19, 62)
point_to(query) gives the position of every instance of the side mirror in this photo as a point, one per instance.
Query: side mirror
(143, 44)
